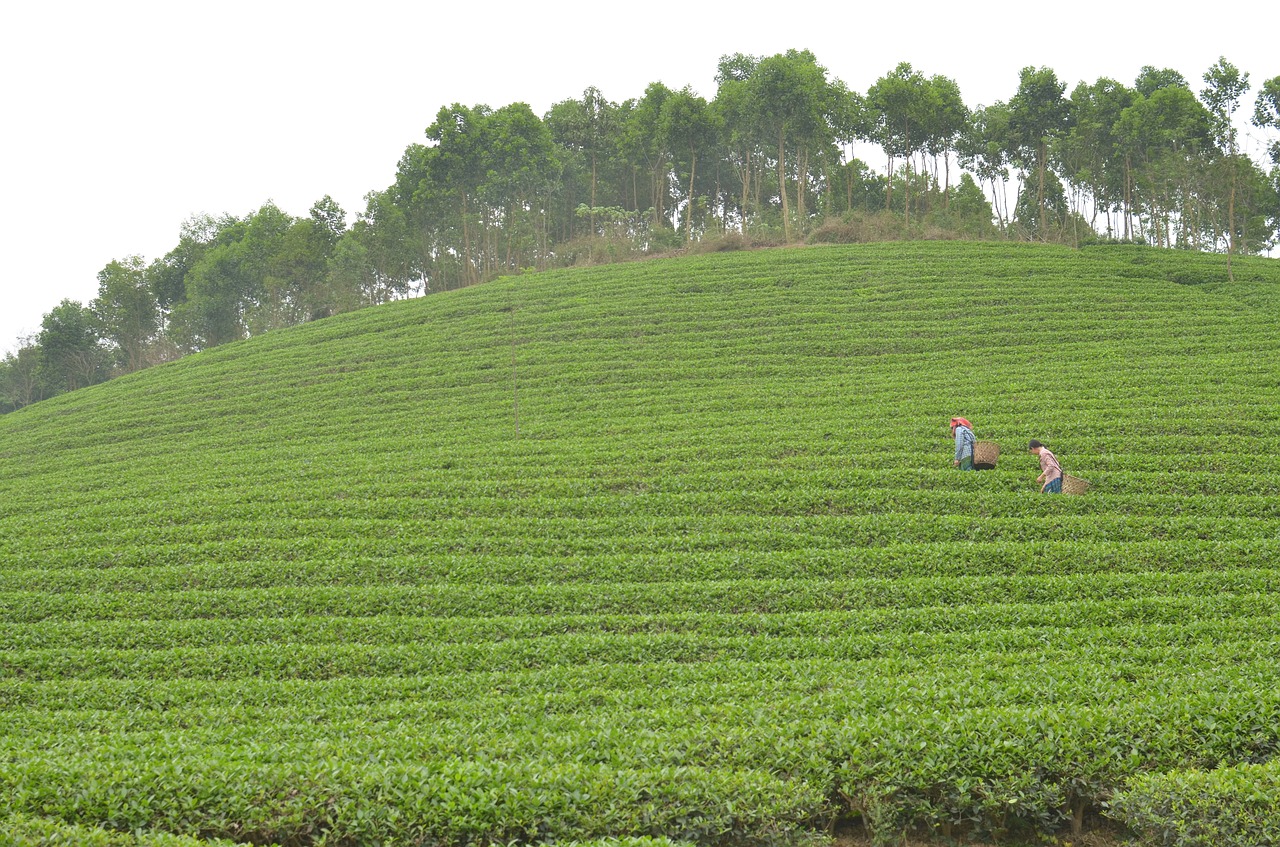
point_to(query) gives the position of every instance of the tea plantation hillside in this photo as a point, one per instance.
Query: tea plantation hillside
(667, 550)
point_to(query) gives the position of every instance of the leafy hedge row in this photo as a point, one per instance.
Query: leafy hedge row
(343, 801)
(1243, 636)
(319, 563)
(737, 596)
(28, 831)
(1236, 806)
(1217, 613)
(993, 771)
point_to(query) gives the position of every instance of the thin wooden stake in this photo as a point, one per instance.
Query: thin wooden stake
(515, 389)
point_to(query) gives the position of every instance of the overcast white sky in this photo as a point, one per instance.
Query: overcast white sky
(120, 120)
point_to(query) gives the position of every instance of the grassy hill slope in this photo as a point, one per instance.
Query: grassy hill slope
(669, 549)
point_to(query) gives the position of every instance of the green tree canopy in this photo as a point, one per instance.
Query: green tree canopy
(1266, 114)
(71, 353)
(126, 310)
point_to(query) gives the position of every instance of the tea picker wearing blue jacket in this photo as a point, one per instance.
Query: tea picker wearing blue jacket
(962, 430)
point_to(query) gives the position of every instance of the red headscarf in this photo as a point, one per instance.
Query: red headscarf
(955, 421)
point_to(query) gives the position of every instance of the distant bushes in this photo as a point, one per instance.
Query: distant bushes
(857, 228)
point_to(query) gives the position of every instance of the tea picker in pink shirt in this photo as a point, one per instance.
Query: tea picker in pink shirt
(1050, 470)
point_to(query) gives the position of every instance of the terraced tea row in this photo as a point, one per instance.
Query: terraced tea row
(226, 566)
(1025, 762)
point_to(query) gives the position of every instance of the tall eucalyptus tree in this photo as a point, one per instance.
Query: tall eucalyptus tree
(1225, 87)
(740, 132)
(795, 104)
(1266, 114)
(1165, 138)
(899, 110)
(1038, 116)
(1091, 152)
(691, 127)
(587, 127)
(646, 146)
(983, 148)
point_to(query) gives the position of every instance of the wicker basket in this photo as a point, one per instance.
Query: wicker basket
(985, 455)
(1073, 484)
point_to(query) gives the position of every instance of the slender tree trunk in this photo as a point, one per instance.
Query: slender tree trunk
(782, 188)
(1183, 214)
(466, 239)
(1231, 220)
(802, 179)
(721, 212)
(1044, 153)
(757, 186)
(828, 193)
(511, 237)
(888, 185)
(1075, 223)
(906, 191)
(542, 238)
(946, 194)
(1128, 196)
(688, 217)
(593, 194)
(484, 258)
(906, 196)
(658, 205)
(667, 189)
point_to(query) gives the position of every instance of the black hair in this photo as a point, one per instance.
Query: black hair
(1034, 444)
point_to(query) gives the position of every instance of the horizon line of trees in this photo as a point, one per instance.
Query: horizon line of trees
(768, 161)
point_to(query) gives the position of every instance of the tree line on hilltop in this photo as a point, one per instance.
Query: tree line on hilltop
(768, 161)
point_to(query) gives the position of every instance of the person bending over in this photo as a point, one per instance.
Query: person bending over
(962, 431)
(1050, 478)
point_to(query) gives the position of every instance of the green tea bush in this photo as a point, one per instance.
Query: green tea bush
(1226, 807)
(27, 831)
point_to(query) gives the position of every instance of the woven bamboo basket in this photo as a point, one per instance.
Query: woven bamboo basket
(1073, 484)
(985, 455)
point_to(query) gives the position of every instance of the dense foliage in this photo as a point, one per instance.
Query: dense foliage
(660, 549)
(1237, 805)
(768, 160)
